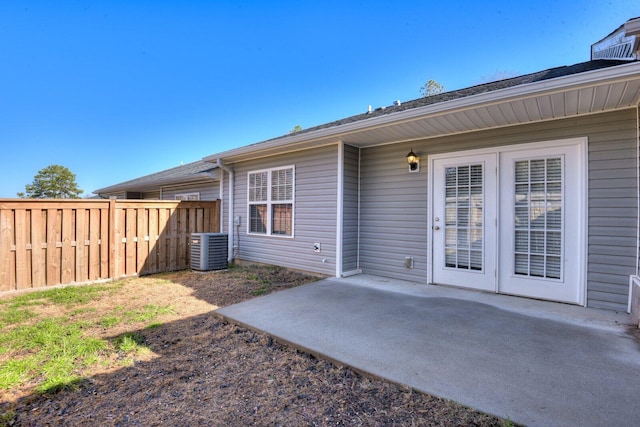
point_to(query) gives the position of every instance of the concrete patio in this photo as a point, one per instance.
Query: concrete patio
(534, 362)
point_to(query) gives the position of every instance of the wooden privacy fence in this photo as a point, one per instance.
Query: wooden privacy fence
(57, 242)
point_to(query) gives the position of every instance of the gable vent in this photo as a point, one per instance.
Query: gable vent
(621, 45)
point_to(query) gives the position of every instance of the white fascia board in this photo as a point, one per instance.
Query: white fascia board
(574, 81)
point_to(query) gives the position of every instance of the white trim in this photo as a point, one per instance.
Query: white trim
(582, 179)
(351, 273)
(633, 279)
(484, 279)
(359, 200)
(340, 209)
(637, 159)
(269, 202)
(222, 201)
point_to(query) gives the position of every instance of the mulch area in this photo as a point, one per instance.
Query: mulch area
(203, 371)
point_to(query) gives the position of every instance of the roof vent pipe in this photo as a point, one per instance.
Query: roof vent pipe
(397, 103)
(369, 110)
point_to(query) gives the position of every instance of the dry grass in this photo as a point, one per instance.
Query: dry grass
(187, 367)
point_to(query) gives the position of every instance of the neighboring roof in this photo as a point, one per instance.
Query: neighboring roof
(183, 174)
(583, 88)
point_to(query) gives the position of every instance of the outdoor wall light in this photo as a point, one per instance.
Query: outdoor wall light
(414, 161)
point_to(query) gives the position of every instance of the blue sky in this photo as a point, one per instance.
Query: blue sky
(114, 90)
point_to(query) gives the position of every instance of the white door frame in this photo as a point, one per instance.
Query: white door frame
(485, 278)
(582, 200)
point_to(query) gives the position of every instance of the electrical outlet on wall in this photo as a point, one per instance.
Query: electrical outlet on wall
(316, 247)
(408, 262)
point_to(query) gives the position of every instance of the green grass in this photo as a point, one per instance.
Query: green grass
(66, 297)
(53, 351)
(13, 315)
(147, 313)
(129, 342)
(262, 290)
(154, 325)
(109, 321)
(8, 419)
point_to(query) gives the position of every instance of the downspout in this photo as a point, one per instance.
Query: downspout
(340, 210)
(230, 227)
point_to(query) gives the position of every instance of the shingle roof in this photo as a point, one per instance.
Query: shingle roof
(551, 73)
(184, 173)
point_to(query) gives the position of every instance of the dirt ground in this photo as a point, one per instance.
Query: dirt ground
(201, 371)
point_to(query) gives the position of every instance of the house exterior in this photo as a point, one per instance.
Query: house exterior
(192, 181)
(526, 186)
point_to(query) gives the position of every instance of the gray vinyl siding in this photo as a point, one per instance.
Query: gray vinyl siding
(315, 212)
(151, 195)
(613, 210)
(224, 210)
(394, 202)
(350, 209)
(393, 214)
(208, 190)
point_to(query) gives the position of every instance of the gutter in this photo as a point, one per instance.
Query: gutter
(230, 226)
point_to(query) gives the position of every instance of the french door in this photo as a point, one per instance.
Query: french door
(464, 221)
(511, 220)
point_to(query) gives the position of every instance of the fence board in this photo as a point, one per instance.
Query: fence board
(7, 263)
(38, 236)
(105, 248)
(130, 241)
(152, 266)
(80, 237)
(173, 240)
(67, 267)
(94, 244)
(21, 247)
(51, 242)
(163, 219)
(53, 253)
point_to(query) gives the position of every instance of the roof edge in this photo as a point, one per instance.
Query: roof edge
(591, 77)
(137, 186)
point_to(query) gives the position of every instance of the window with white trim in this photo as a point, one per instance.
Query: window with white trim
(270, 201)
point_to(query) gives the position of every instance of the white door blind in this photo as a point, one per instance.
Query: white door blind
(464, 219)
(538, 218)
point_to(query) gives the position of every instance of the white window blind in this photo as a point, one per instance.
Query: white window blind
(464, 219)
(538, 217)
(270, 200)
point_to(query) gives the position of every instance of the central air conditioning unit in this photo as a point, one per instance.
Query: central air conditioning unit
(209, 251)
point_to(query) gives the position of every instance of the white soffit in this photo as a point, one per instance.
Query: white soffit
(508, 112)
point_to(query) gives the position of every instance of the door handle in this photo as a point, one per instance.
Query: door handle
(436, 227)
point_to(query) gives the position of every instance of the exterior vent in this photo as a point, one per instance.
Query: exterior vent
(209, 251)
(622, 44)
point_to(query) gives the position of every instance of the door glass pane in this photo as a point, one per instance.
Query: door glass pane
(464, 222)
(538, 228)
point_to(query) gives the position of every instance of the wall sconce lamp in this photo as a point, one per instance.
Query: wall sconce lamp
(414, 161)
